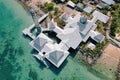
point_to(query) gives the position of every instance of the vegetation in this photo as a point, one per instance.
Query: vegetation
(76, 1)
(106, 9)
(96, 51)
(47, 7)
(56, 10)
(118, 71)
(60, 22)
(115, 27)
(100, 27)
(117, 1)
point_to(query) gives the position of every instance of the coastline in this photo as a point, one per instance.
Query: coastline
(71, 68)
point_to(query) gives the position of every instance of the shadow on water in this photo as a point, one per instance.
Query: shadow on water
(56, 70)
(27, 37)
(33, 51)
(41, 65)
(33, 74)
(72, 52)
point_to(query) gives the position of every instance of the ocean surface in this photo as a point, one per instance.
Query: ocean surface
(16, 60)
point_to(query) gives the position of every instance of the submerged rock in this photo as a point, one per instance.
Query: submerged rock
(33, 75)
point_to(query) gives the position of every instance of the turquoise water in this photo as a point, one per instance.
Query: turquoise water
(16, 60)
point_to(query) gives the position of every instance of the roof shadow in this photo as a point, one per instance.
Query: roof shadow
(41, 65)
(72, 52)
(33, 51)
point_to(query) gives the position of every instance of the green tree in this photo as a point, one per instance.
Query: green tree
(56, 10)
(49, 6)
(115, 27)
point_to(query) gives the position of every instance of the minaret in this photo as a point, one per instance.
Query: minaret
(35, 21)
(83, 19)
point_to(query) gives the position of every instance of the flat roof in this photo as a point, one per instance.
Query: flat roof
(68, 39)
(88, 9)
(109, 2)
(91, 46)
(100, 16)
(70, 3)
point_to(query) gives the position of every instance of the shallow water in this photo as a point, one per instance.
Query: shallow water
(16, 60)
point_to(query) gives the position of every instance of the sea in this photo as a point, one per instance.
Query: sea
(16, 59)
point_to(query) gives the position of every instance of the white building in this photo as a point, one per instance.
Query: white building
(78, 29)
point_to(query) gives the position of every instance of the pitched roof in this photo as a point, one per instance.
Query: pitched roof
(40, 41)
(51, 25)
(98, 37)
(56, 55)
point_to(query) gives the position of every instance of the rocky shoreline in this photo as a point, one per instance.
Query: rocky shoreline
(30, 5)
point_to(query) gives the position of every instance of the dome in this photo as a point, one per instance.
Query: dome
(83, 19)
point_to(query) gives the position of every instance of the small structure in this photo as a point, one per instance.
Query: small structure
(71, 4)
(65, 17)
(100, 5)
(88, 9)
(96, 36)
(62, 0)
(99, 16)
(80, 7)
(108, 2)
(91, 46)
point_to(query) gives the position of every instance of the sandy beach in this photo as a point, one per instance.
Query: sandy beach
(108, 62)
(41, 1)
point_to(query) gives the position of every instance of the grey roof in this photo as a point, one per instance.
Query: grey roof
(56, 55)
(83, 28)
(63, 46)
(67, 37)
(99, 16)
(51, 25)
(83, 19)
(99, 38)
(65, 16)
(88, 9)
(39, 42)
(109, 2)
